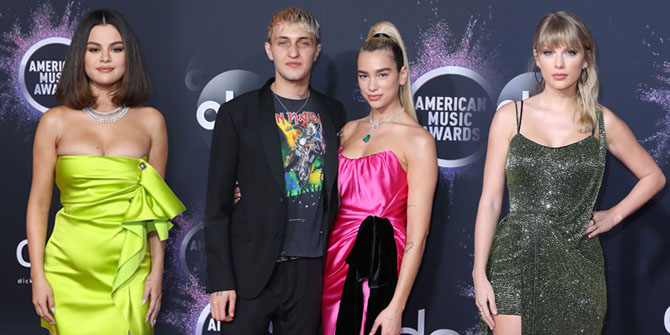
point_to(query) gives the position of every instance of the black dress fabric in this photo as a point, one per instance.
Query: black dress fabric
(373, 257)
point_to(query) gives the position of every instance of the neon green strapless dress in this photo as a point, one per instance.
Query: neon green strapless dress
(97, 257)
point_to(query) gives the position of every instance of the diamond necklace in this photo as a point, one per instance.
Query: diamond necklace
(286, 109)
(116, 110)
(119, 113)
(374, 125)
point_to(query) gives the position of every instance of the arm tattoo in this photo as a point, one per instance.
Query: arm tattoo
(411, 205)
(408, 246)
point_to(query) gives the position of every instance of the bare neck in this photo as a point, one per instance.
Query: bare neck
(103, 102)
(559, 99)
(387, 111)
(291, 89)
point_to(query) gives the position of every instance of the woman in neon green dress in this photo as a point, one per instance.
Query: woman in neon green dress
(101, 271)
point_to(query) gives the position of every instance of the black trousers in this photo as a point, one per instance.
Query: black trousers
(291, 301)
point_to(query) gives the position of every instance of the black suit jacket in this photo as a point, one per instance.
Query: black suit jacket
(243, 241)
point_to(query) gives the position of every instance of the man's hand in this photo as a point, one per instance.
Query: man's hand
(222, 305)
(237, 195)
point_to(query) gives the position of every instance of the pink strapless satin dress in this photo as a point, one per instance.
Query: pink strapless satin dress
(371, 185)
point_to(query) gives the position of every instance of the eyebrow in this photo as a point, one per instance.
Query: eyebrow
(567, 46)
(96, 43)
(377, 71)
(299, 38)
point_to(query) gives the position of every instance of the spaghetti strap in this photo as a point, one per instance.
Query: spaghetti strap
(519, 115)
(516, 114)
(597, 123)
(601, 130)
(518, 127)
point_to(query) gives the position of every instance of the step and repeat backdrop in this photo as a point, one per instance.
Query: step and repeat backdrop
(466, 58)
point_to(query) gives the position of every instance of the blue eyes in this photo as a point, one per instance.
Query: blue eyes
(568, 52)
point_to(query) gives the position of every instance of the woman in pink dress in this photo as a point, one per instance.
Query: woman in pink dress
(387, 176)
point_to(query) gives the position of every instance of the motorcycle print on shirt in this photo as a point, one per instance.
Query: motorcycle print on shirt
(303, 147)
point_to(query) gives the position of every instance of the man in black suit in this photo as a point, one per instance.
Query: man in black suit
(265, 253)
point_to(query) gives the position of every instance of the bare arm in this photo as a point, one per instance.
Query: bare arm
(622, 144)
(421, 180)
(39, 202)
(493, 186)
(155, 126)
(490, 202)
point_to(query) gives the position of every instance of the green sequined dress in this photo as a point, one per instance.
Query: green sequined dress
(541, 266)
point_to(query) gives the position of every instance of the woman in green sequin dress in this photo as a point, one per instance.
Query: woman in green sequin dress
(540, 270)
(101, 271)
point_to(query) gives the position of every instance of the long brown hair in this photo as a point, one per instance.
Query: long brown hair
(73, 88)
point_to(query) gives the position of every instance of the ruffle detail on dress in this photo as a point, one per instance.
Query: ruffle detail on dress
(151, 206)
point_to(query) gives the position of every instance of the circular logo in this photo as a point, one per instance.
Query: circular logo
(40, 70)
(206, 325)
(455, 105)
(221, 89)
(519, 88)
(666, 320)
(192, 254)
(22, 254)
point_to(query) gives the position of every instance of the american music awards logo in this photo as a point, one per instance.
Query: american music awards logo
(40, 71)
(33, 60)
(192, 254)
(455, 105)
(206, 325)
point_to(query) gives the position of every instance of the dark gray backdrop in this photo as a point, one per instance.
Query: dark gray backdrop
(188, 43)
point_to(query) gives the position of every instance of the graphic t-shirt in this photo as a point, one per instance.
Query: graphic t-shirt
(303, 151)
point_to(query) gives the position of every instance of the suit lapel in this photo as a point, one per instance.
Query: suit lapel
(270, 136)
(331, 143)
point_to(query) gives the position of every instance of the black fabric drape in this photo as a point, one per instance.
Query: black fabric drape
(373, 257)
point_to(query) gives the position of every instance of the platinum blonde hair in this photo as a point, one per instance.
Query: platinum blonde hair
(295, 16)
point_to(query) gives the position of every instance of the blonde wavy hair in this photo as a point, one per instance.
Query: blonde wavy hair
(561, 29)
(385, 36)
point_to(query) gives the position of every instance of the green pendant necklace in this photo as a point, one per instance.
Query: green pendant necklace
(374, 125)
